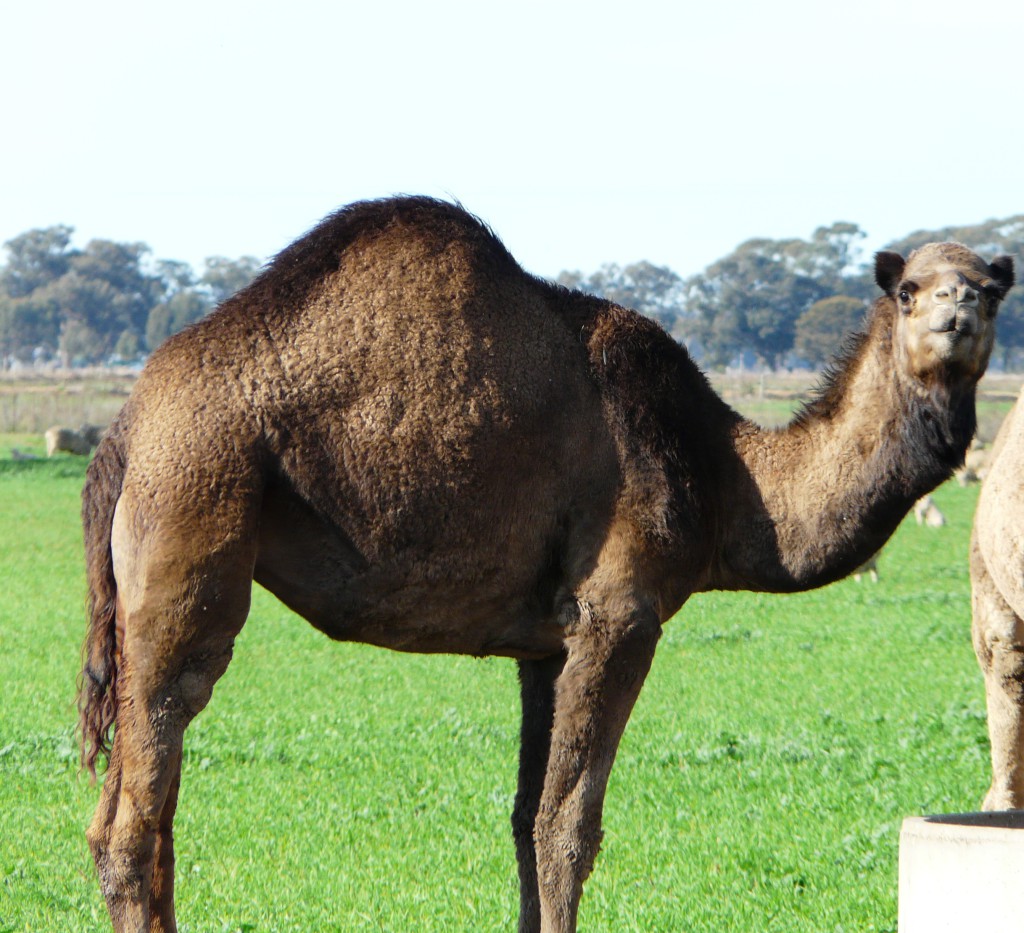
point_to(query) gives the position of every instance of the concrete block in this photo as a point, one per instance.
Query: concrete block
(962, 873)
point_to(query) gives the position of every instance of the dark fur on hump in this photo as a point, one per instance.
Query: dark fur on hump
(299, 269)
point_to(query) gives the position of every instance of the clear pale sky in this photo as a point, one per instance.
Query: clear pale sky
(583, 132)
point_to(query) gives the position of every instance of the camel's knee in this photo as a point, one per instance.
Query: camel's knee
(1006, 669)
(565, 837)
(173, 692)
(124, 863)
(98, 833)
(566, 849)
(98, 836)
(999, 646)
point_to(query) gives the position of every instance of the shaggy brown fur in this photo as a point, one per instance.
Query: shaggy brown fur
(414, 444)
(997, 594)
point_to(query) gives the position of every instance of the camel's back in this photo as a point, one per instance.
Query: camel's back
(426, 306)
(390, 312)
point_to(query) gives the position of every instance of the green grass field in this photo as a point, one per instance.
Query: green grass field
(760, 786)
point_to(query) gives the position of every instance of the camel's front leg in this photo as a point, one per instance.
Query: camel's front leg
(594, 694)
(998, 634)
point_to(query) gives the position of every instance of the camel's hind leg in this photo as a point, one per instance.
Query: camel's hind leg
(122, 881)
(182, 599)
(537, 688)
(998, 634)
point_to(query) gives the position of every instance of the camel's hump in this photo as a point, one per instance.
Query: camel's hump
(305, 263)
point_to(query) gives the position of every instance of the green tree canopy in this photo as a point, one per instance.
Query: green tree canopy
(653, 290)
(79, 303)
(177, 312)
(821, 329)
(175, 276)
(35, 259)
(752, 298)
(27, 323)
(109, 293)
(108, 298)
(223, 277)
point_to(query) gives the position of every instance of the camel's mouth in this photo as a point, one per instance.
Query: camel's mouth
(949, 342)
(954, 335)
(962, 347)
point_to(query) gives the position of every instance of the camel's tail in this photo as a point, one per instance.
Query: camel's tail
(97, 687)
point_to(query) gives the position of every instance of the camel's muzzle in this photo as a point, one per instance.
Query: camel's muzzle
(955, 308)
(960, 318)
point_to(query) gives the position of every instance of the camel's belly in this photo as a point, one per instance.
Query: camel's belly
(477, 601)
(411, 620)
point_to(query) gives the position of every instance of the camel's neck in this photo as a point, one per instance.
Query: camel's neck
(812, 501)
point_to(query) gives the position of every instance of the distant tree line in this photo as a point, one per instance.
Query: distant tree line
(790, 302)
(107, 301)
(769, 302)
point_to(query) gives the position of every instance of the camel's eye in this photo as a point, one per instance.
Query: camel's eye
(904, 296)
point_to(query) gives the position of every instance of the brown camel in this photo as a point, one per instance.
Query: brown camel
(413, 443)
(997, 596)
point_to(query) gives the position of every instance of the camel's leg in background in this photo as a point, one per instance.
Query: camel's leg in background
(182, 598)
(537, 691)
(607, 662)
(98, 832)
(998, 635)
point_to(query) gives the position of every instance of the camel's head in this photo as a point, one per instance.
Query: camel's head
(946, 299)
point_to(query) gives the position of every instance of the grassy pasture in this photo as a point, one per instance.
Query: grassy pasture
(760, 786)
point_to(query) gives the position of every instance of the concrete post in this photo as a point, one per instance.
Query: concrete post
(962, 873)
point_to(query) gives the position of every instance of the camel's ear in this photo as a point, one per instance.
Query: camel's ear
(889, 268)
(1001, 270)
